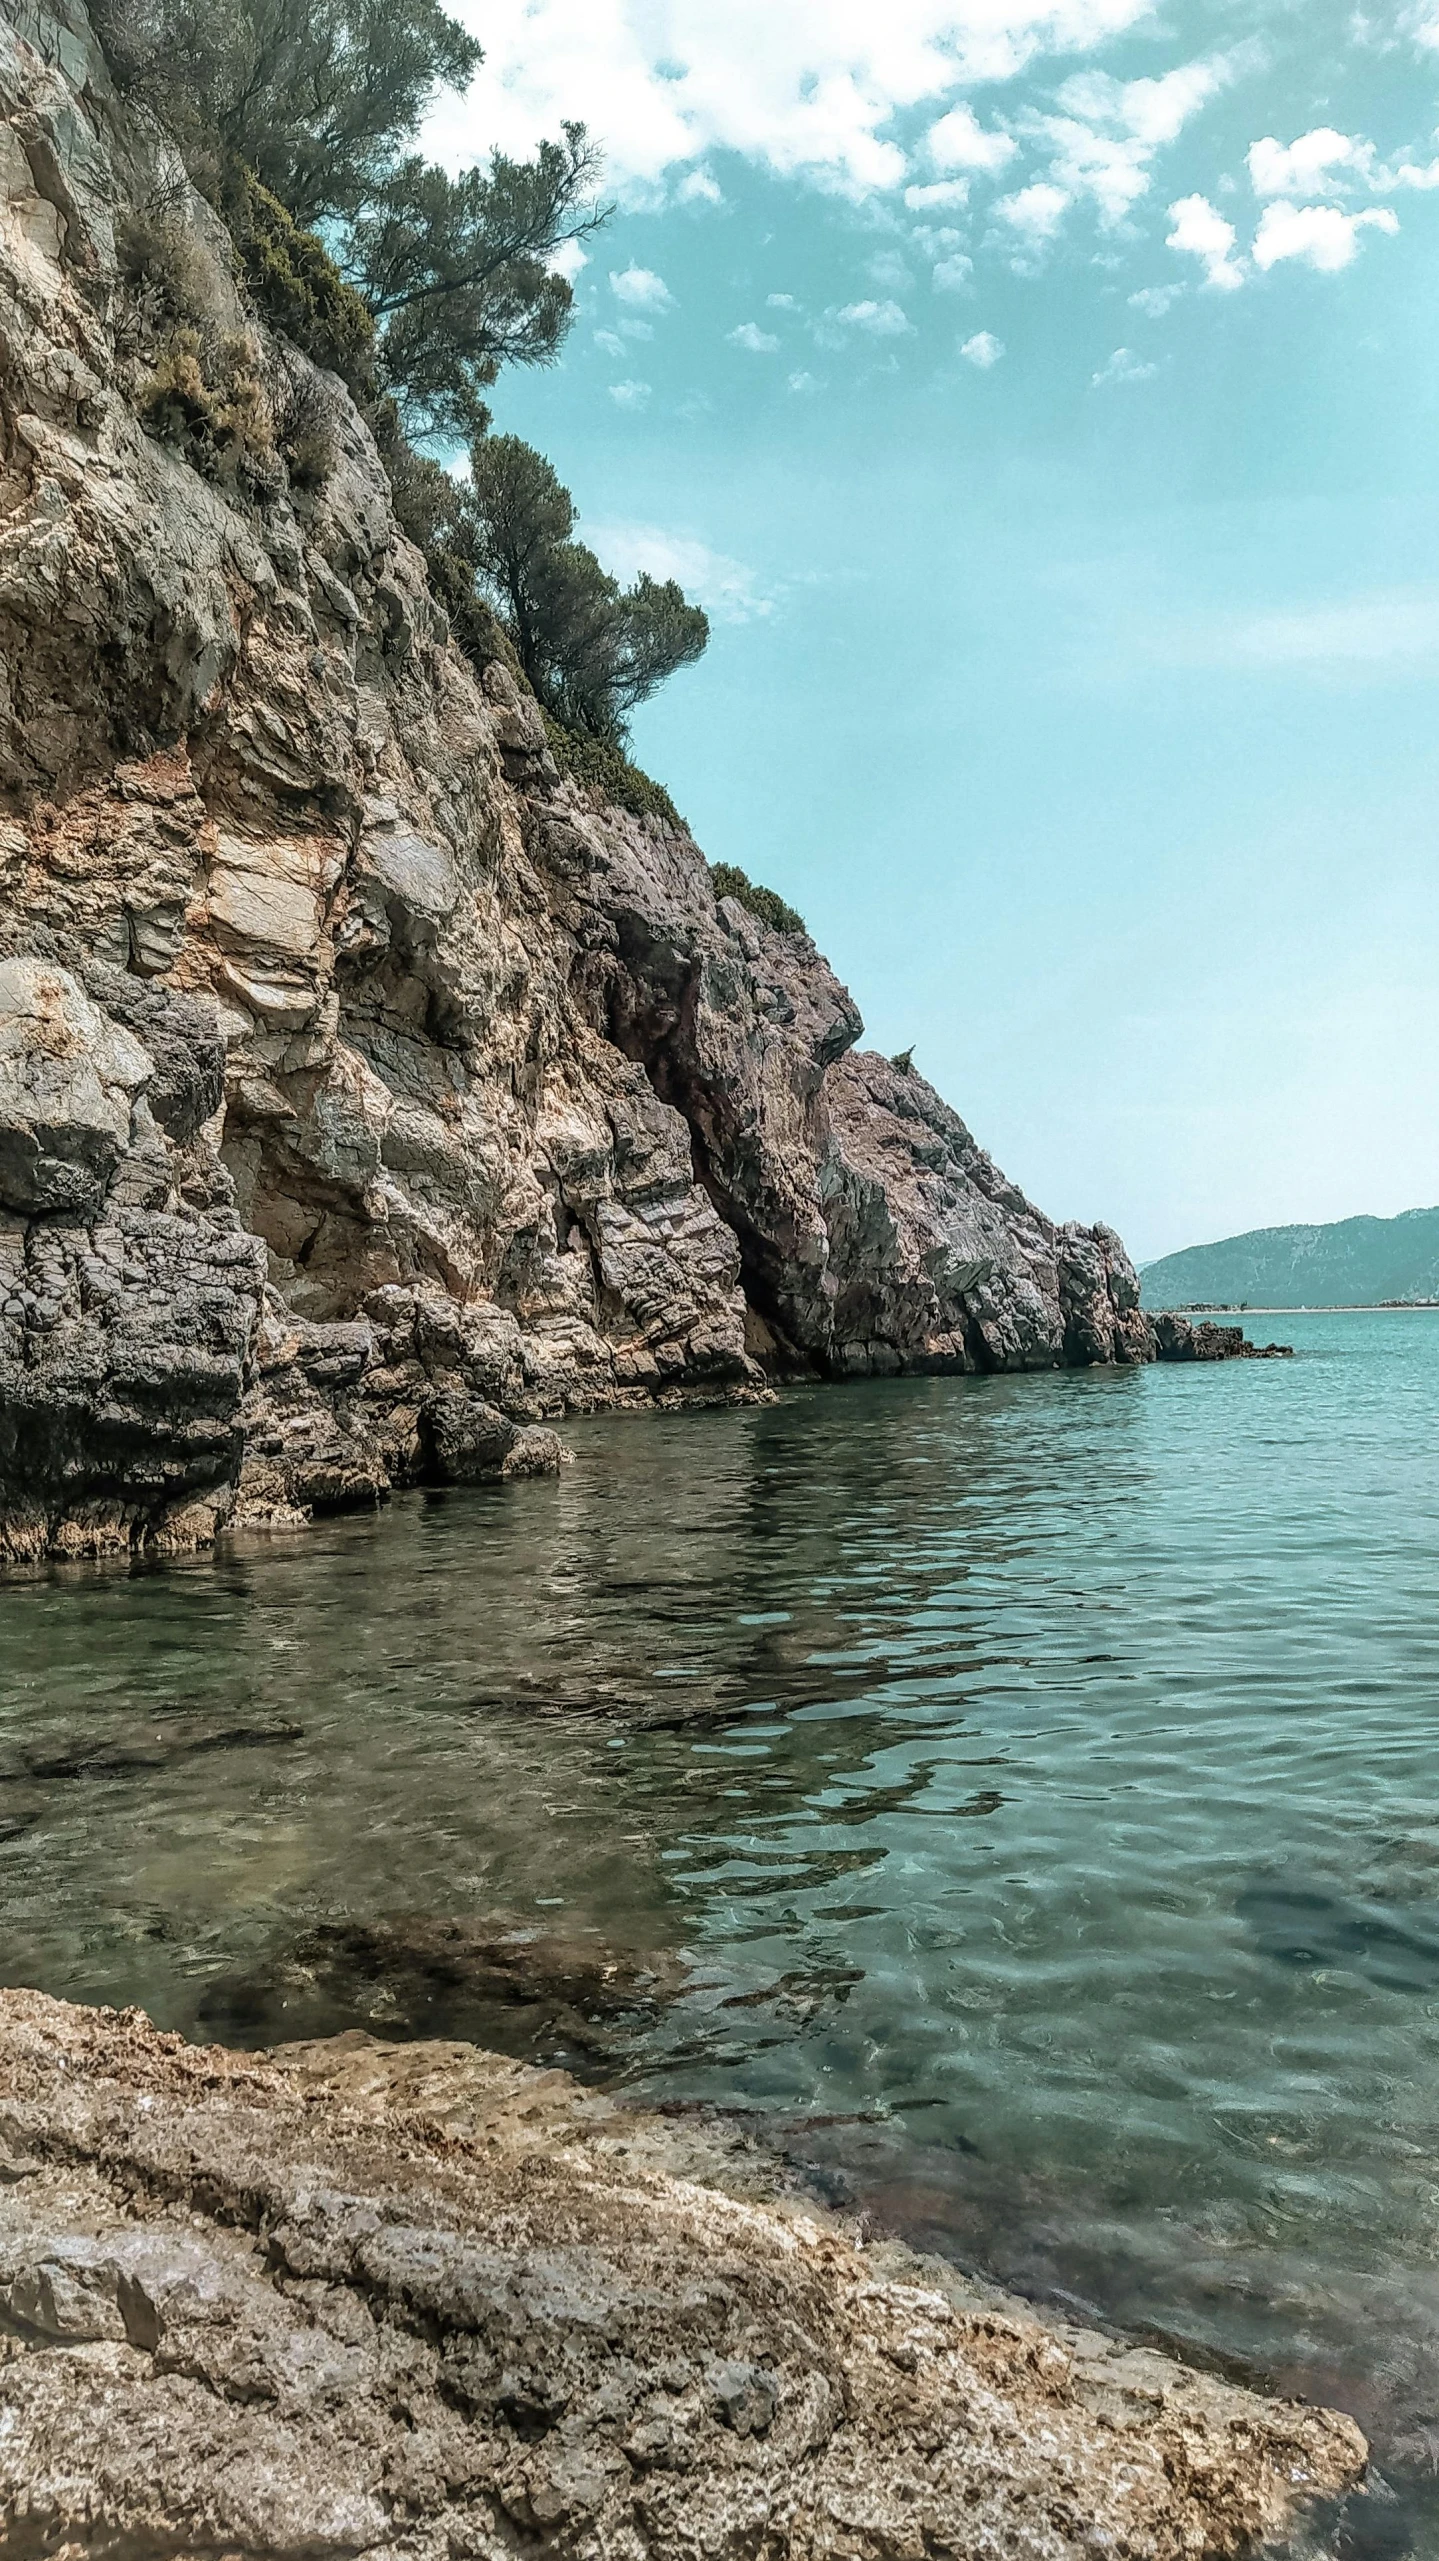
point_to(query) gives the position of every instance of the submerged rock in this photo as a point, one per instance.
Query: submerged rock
(1313, 1925)
(529, 1991)
(101, 1753)
(416, 2300)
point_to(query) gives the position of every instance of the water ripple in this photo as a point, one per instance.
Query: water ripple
(1034, 1779)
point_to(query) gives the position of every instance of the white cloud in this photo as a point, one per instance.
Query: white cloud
(639, 329)
(960, 141)
(810, 88)
(1123, 366)
(726, 588)
(1378, 631)
(1370, 631)
(983, 350)
(641, 289)
(947, 195)
(803, 382)
(1035, 214)
(1319, 163)
(889, 272)
(1320, 236)
(1155, 300)
(1200, 231)
(939, 243)
(568, 260)
(1407, 174)
(954, 273)
(1111, 169)
(1154, 111)
(780, 302)
(877, 319)
(609, 342)
(1104, 144)
(1422, 24)
(630, 395)
(699, 188)
(1328, 163)
(755, 341)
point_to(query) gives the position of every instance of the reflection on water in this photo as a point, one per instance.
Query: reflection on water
(1033, 1779)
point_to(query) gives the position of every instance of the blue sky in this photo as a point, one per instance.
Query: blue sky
(1043, 396)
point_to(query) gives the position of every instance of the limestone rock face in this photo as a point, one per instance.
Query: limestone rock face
(314, 974)
(70, 1079)
(416, 2300)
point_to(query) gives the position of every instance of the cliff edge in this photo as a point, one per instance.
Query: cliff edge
(370, 1094)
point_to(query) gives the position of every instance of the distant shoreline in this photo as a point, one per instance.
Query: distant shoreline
(1371, 1307)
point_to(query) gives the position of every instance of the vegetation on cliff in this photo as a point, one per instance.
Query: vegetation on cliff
(772, 910)
(599, 766)
(310, 109)
(297, 119)
(592, 650)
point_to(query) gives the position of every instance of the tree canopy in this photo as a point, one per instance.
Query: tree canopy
(317, 97)
(456, 273)
(297, 119)
(318, 101)
(592, 650)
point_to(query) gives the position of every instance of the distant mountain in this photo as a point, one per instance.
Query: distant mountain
(1361, 1262)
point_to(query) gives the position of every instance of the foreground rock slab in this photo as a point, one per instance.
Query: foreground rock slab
(357, 2298)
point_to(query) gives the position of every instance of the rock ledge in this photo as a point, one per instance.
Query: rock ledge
(356, 2299)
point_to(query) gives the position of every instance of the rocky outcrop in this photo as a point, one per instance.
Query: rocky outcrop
(356, 2298)
(370, 1097)
(1176, 1339)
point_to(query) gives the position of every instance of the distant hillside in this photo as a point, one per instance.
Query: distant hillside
(1359, 1263)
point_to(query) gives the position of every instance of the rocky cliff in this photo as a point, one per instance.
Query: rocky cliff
(371, 1095)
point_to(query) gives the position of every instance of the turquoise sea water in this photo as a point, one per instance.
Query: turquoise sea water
(1026, 1793)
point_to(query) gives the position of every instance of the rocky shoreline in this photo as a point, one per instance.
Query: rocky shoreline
(372, 1095)
(357, 2298)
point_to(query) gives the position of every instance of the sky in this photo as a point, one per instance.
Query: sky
(1042, 396)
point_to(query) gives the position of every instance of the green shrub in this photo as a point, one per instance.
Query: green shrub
(602, 769)
(476, 627)
(242, 425)
(295, 283)
(165, 265)
(177, 402)
(306, 430)
(207, 399)
(426, 496)
(772, 910)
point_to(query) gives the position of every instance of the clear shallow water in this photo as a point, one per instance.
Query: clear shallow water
(1062, 1825)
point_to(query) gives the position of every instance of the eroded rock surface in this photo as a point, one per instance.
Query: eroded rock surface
(355, 2298)
(370, 1097)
